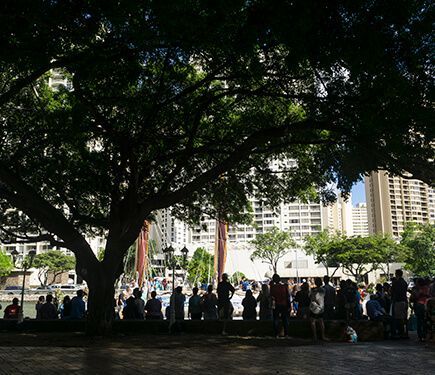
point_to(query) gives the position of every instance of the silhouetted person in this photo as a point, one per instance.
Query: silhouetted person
(225, 292)
(340, 301)
(317, 308)
(329, 298)
(303, 299)
(130, 310)
(179, 299)
(140, 303)
(153, 308)
(41, 301)
(12, 311)
(195, 311)
(78, 306)
(265, 302)
(209, 303)
(48, 310)
(281, 304)
(249, 304)
(399, 301)
(350, 298)
(65, 308)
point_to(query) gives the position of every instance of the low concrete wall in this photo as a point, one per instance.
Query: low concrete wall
(367, 330)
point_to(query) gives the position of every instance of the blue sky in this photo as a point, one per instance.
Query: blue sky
(358, 193)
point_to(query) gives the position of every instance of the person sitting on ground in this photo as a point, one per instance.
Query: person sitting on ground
(380, 296)
(195, 311)
(130, 310)
(140, 303)
(209, 303)
(265, 303)
(78, 306)
(249, 304)
(317, 308)
(65, 308)
(375, 311)
(48, 309)
(153, 308)
(41, 301)
(303, 299)
(12, 311)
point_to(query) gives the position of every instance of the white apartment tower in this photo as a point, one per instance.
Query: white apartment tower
(393, 201)
(360, 223)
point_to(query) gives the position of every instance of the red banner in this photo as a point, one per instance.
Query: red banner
(142, 253)
(220, 255)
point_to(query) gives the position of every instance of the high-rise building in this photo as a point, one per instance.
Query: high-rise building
(337, 217)
(393, 201)
(360, 223)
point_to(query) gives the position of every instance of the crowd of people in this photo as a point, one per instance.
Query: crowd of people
(48, 308)
(277, 301)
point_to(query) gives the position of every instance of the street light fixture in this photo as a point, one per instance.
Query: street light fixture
(184, 252)
(171, 261)
(26, 265)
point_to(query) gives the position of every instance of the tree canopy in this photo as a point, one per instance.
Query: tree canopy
(185, 104)
(200, 267)
(419, 241)
(51, 264)
(271, 246)
(357, 256)
(321, 247)
(6, 265)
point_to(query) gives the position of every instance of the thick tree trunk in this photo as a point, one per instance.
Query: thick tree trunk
(101, 301)
(101, 283)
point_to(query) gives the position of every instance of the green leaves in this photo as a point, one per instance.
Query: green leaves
(271, 246)
(201, 267)
(419, 242)
(357, 255)
(51, 264)
(6, 265)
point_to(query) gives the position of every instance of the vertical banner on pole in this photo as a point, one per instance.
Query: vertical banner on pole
(220, 255)
(142, 253)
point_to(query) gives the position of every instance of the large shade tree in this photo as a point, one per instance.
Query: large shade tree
(184, 103)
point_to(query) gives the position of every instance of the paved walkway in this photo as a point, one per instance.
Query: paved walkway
(238, 356)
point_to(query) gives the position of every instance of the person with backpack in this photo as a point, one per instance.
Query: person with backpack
(317, 309)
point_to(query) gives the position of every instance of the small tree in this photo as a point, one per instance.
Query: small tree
(357, 255)
(236, 277)
(272, 246)
(419, 243)
(52, 264)
(6, 265)
(200, 266)
(320, 247)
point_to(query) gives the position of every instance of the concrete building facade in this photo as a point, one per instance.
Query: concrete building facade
(393, 201)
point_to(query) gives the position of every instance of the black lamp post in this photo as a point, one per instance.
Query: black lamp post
(171, 261)
(184, 252)
(26, 265)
